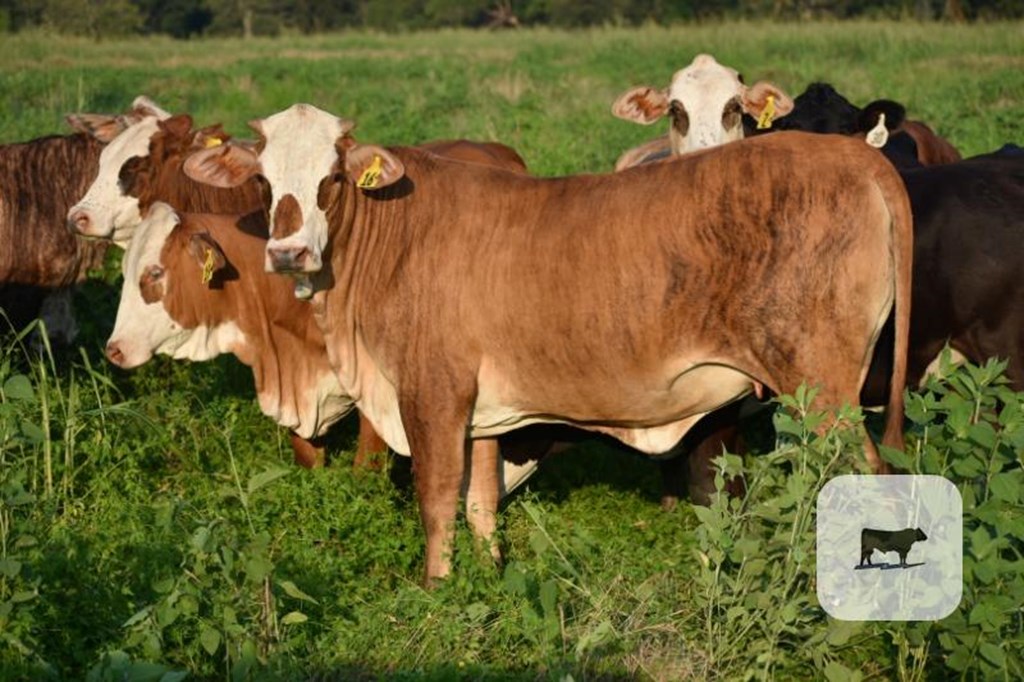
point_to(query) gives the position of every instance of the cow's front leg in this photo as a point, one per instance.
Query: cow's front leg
(437, 440)
(482, 493)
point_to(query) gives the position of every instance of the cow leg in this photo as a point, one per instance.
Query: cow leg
(714, 433)
(437, 442)
(482, 494)
(309, 454)
(370, 448)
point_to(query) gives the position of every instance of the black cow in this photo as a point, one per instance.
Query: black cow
(898, 541)
(820, 109)
(968, 256)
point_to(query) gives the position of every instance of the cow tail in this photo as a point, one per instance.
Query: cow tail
(902, 227)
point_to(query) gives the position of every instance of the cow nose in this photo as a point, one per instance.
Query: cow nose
(79, 221)
(288, 258)
(114, 353)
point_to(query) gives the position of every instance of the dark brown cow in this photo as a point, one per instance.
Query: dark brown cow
(660, 307)
(39, 258)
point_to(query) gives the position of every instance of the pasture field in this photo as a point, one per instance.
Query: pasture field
(152, 524)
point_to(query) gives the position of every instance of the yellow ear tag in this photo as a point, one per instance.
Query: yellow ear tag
(213, 142)
(767, 114)
(208, 267)
(370, 176)
(879, 135)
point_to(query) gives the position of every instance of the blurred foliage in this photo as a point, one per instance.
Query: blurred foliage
(185, 18)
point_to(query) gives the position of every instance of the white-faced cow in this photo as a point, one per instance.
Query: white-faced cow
(705, 103)
(463, 300)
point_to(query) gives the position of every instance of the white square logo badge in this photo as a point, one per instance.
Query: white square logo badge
(889, 547)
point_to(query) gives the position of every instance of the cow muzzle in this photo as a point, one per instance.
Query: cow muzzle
(79, 221)
(115, 354)
(291, 259)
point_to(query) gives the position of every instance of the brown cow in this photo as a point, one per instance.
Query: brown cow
(660, 307)
(39, 259)
(194, 288)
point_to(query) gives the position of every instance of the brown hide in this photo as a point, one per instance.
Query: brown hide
(492, 154)
(932, 150)
(39, 181)
(159, 177)
(586, 298)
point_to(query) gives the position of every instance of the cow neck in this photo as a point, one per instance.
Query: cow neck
(282, 343)
(47, 176)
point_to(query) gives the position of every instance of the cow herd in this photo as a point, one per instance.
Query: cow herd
(453, 298)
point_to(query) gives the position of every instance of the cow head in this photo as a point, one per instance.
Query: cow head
(302, 154)
(105, 209)
(155, 274)
(705, 103)
(820, 109)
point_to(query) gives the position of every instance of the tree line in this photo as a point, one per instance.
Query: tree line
(187, 18)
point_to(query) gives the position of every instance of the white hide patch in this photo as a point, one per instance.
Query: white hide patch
(320, 407)
(113, 214)
(688, 391)
(141, 328)
(704, 88)
(299, 152)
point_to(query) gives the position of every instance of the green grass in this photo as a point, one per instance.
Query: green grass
(157, 513)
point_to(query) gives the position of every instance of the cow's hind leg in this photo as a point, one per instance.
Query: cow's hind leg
(371, 450)
(841, 385)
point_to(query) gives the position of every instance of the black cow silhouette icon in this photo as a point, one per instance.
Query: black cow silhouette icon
(899, 541)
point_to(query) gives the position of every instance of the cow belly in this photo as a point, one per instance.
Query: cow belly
(651, 420)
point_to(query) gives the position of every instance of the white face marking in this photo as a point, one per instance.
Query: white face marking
(299, 152)
(704, 88)
(141, 328)
(113, 214)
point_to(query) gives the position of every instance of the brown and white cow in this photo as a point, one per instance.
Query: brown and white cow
(467, 300)
(154, 174)
(194, 288)
(705, 103)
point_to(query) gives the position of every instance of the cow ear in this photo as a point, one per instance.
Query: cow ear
(641, 104)
(207, 252)
(211, 136)
(177, 126)
(372, 167)
(143, 106)
(766, 102)
(224, 165)
(895, 114)
(103, 127)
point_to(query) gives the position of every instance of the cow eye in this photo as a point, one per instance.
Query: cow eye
(130, 175)
(739, 76)
(680, 119)
(153, 273)
(732, 114)
(151, 285)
